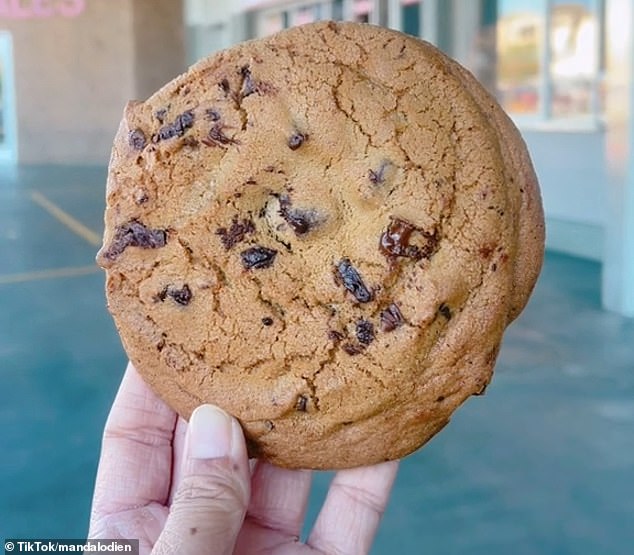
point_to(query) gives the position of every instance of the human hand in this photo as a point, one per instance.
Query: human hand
(188, 489)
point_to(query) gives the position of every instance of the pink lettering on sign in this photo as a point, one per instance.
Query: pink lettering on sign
(40, 9)
(71, 8)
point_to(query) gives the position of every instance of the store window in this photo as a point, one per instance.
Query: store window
(574, 58)
(3, 78)
(307, 14)
(3, 133)
(277, 17)
(337, 10)
(549, 59)
(411, 17)
(274, 19)
(520, 30)
(7, 105)
(272, 23)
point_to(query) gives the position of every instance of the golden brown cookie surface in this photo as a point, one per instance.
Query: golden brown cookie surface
(324, 232)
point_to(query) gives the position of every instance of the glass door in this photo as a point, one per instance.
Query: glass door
(8, 146)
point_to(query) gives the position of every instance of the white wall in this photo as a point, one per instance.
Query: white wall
(572, 173)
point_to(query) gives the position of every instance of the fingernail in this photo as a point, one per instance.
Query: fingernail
(210, 431)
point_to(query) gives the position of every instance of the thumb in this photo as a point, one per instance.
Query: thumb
(210, 502)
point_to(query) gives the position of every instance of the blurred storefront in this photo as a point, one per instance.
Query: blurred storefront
(561, 68)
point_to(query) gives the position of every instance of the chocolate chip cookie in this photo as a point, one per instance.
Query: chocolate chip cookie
(325, 232)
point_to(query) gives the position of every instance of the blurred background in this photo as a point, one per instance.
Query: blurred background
(542, 464)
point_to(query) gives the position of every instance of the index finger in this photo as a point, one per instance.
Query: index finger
(136, 454)
(353, 509)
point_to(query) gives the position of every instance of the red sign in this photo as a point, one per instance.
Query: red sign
(39, 9)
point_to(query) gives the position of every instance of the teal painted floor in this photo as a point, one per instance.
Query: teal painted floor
(542, 464)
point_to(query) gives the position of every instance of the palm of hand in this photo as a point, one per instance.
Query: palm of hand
(140, 472)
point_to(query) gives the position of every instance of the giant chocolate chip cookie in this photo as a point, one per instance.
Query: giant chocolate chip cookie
(324, 232)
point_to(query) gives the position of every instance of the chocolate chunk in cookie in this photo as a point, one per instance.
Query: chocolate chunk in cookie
(258, 258)
(377, 177)
(298, 220)
(302, 403)
(135, 234)
(177, 128)
(364, 331)
(296, 140)
(395, 241)
(161, 115)
(217, 137)
(180, 295)
(350, 278)
(391, 318)
(236, 233)
(445, 311)
(212, 114)
(248, 84)
(353, 349)
(137, 139)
